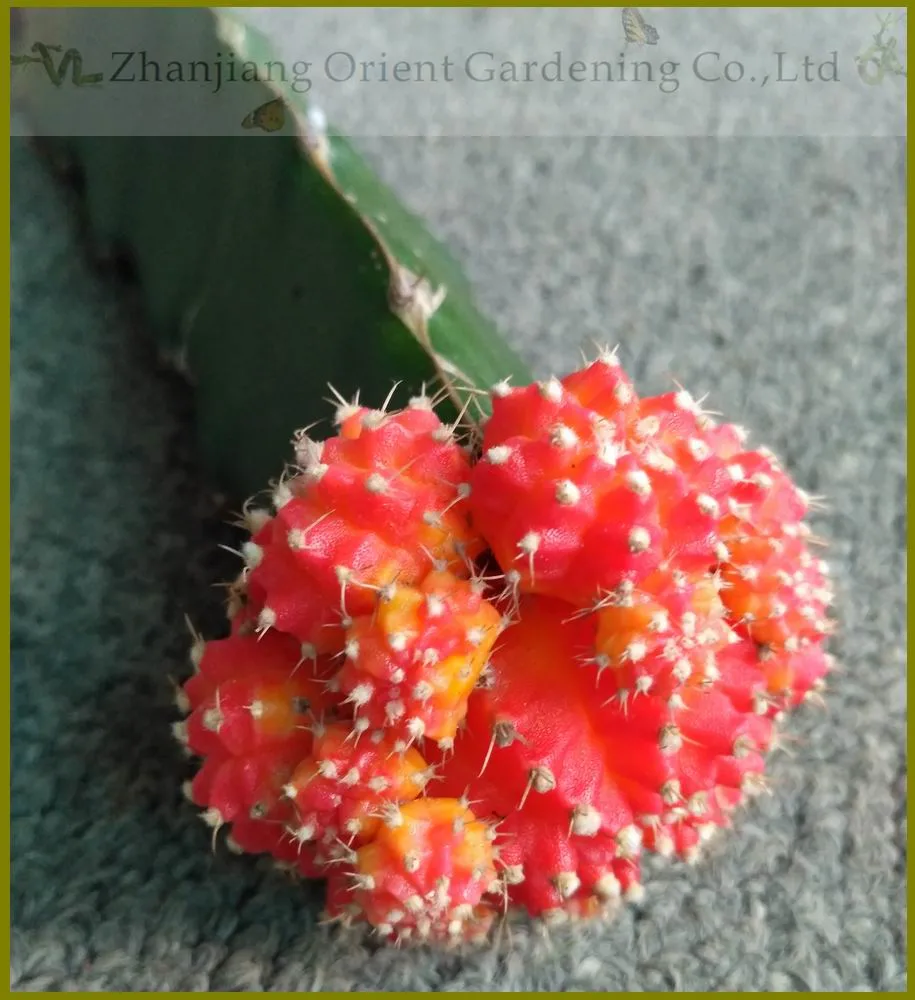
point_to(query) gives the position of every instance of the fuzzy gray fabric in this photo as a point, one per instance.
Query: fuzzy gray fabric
(768, 273)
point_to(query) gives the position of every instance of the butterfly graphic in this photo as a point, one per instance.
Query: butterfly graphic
(269, 117)
(637, 29)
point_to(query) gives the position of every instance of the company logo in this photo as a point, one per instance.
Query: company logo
(70, 60)
(880, 58)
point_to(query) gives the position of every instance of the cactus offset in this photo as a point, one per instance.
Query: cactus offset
(424, 873)
(412, 662)
(524, 665)
(344, 787)
(383, 501)
(250, 710)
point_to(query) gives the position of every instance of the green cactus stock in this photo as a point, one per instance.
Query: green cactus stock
(273, 262)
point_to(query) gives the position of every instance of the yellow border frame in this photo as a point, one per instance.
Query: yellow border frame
(5, 697)
(6, 496)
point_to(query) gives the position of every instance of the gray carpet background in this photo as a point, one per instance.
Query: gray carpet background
(766, 272)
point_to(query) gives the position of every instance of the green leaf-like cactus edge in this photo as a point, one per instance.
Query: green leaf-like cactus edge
(273, 265)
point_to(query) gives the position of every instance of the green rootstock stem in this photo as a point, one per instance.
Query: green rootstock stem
(271, 264)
